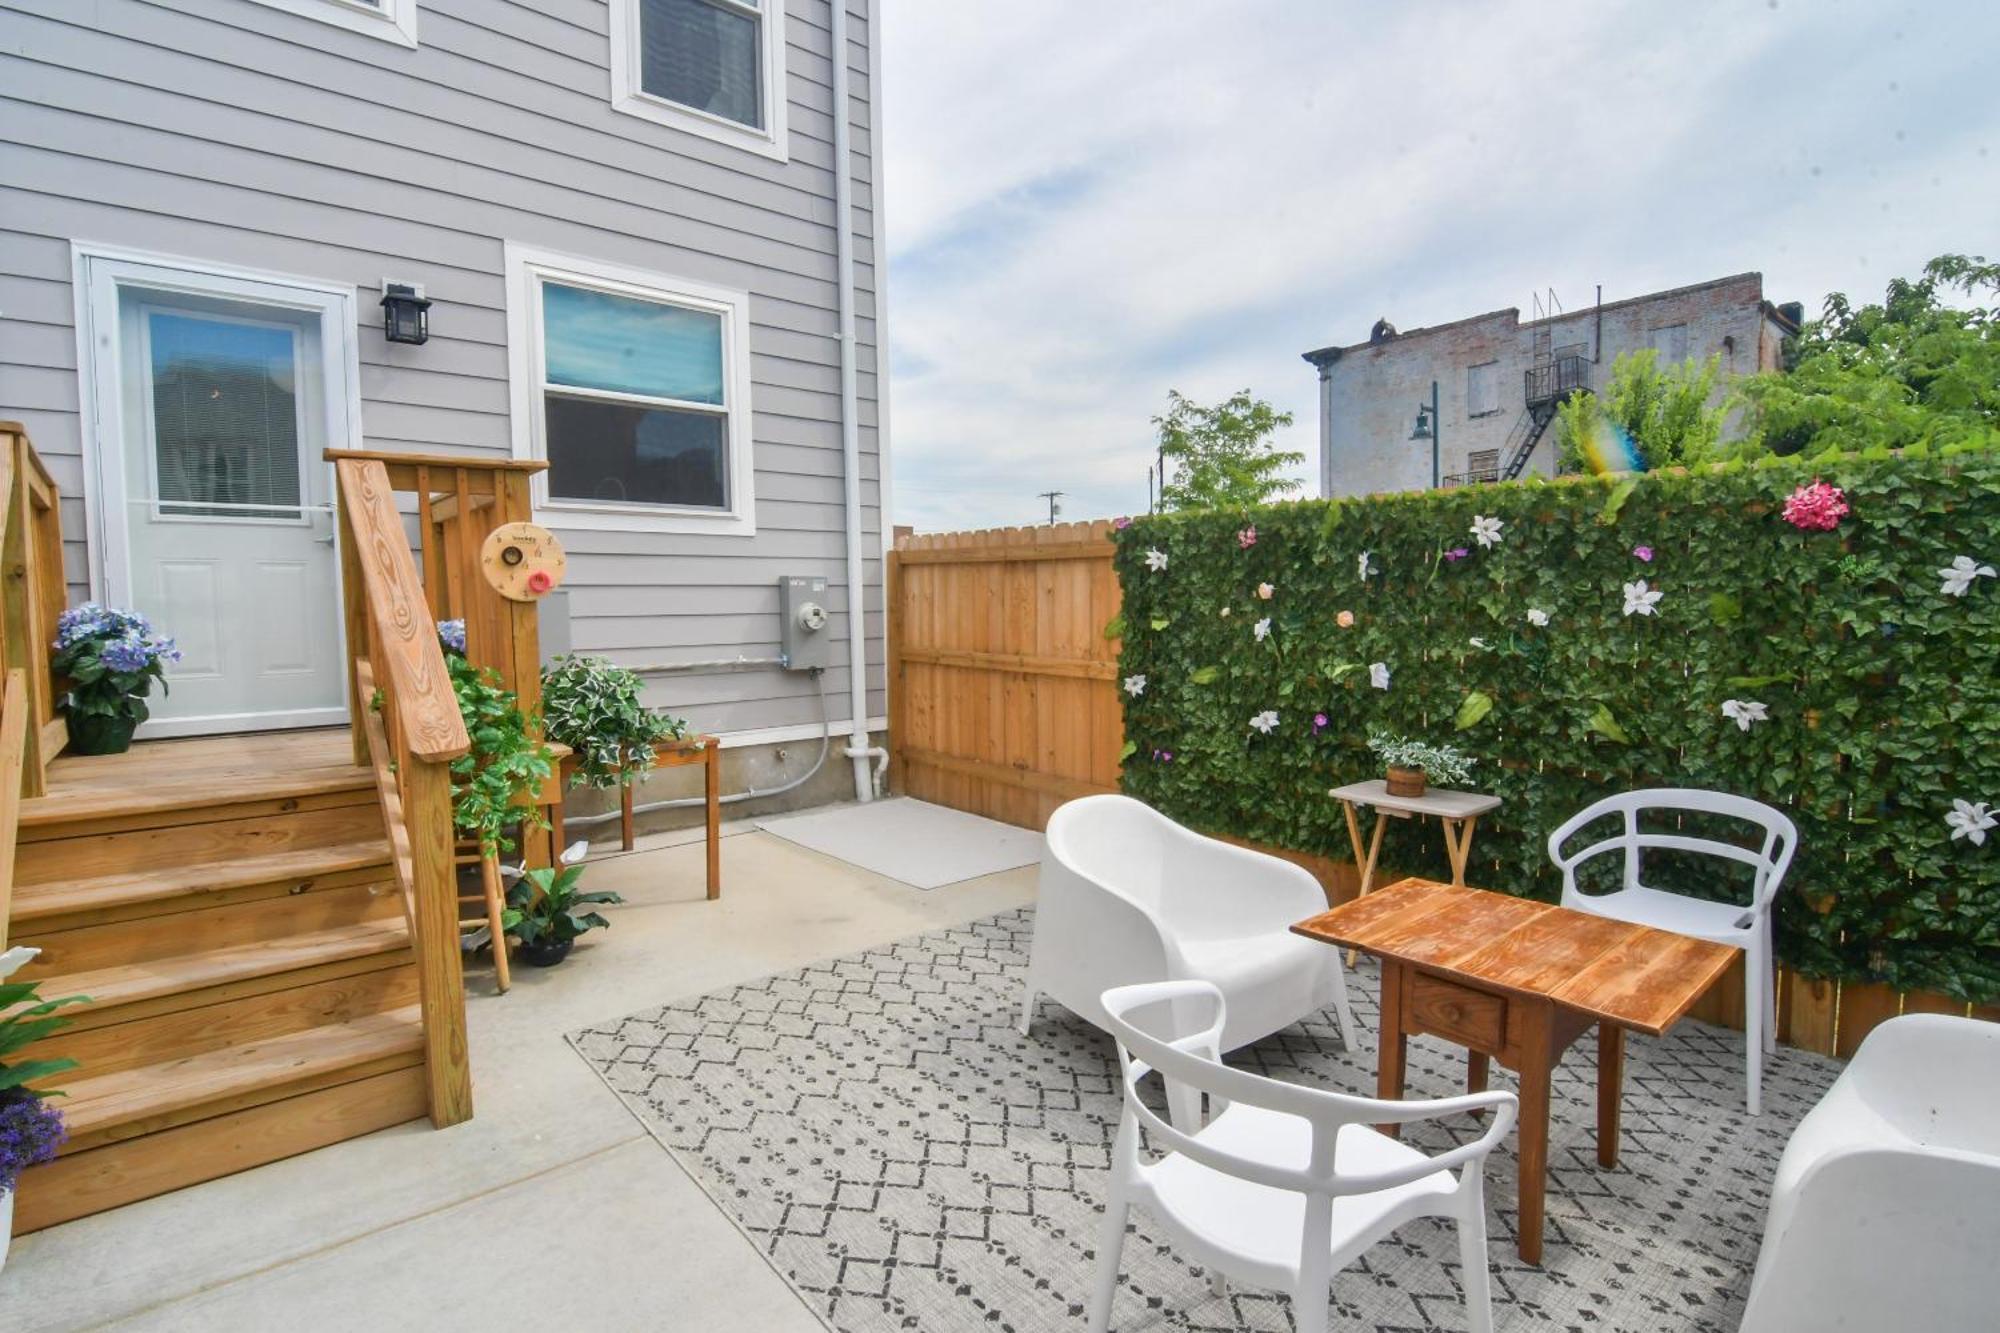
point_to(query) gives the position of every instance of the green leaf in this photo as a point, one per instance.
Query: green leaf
(1605, 725)
(1114, 628)
(1723, 608)
(1473, 710)
(1126, 751)
(1161, 622)
(1615, 501)
(1203, 675)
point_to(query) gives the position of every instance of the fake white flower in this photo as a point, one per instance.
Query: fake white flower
(1135, 685)
(1486, 531)
(1364, 566)
(1537, 616)
(1262, 629)
(1970, 821)
(1264, 591)
(1959, 574)
(1639, 600)
(17, 957)
(1156, 559)
(1478, 642)
(1266, 721)
(1378, 675)
(1744, 711)
(1225, 611)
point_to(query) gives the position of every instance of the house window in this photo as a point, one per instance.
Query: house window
(1671, 341)
(634, 388)
(711, 67)
(1482, 464)
(391, 20)
(1482, 389)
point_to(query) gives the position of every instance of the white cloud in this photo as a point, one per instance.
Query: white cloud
(1091, 204)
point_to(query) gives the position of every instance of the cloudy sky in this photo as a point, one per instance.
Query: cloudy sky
(1092, 203)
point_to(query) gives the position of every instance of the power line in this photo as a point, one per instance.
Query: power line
(1052, 497)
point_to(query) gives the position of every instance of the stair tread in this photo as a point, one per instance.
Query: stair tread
(133, 1094)
(164, 776)
(130, 982)
(162, 797)
(59, 897)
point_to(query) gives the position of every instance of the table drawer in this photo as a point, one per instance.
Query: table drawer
(1472, 1018)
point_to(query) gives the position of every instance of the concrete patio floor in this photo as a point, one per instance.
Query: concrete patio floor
(552, 1208)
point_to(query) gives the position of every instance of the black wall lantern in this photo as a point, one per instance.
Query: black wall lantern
(406, 315)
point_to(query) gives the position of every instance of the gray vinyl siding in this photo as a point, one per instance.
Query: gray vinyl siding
(232, 131)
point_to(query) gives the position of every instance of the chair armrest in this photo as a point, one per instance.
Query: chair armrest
(1504, 1105)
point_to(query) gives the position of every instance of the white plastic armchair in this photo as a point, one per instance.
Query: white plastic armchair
(1745, 926)
(1887, 1199)
(1127, 895)
(1284, 1185)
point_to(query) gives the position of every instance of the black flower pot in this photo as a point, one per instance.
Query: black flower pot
(100, 733)
(546, 953)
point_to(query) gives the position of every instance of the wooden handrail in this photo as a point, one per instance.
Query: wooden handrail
(410, 660)
(35, 593)
(13, 746)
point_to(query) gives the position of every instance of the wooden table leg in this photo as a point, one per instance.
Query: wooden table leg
(1394, 1043)
(1537, 1056)
(1458, 845)
(1610, 1090)
(625, 804)
(712, 790)
(1476, 1066)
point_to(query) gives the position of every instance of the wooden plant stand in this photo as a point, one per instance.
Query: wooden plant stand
(703, 750)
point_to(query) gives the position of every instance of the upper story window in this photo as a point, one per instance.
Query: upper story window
(634, 387)
(391, 20)
(1482, 388)
(712, 67)
(1671, 341)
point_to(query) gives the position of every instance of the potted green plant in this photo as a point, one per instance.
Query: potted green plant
(592, 706)
(110, 659)
(1413, 764)
(31, 1130)
(495, 782)
(546, 912)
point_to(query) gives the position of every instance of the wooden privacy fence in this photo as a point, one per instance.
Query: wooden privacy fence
(1004, 700)
(1002, 686)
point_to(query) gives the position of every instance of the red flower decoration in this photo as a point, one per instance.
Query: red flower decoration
(1816, 508)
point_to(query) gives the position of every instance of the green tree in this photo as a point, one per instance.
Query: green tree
(1666, 413)
(1221, 456)
(1911, 370)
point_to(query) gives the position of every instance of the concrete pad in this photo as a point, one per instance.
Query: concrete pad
(912, 841)
(538, 1108)
(622, 1240)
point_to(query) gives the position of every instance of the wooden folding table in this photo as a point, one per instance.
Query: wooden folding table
(1517, 981)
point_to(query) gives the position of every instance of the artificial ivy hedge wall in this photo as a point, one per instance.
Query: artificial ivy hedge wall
(1881, 691)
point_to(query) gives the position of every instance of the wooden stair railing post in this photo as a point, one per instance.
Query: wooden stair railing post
(34, 596)
(13, 740)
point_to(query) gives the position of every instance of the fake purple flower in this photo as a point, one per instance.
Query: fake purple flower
(451, 633)
(1319, 723)
(30, 1132)
(1163, 756)
(1644, 553)
(127, 654)
(1121, 523)
(1456, 554)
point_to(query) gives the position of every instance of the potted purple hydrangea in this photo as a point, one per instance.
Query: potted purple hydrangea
(110, 659)
(31, 1130)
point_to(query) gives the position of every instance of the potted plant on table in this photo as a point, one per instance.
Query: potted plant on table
(31, 1130)
(546, 912)
(592, 706)
(110, 659)
(1413, 764)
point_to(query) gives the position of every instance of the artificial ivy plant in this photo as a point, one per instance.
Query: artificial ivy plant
(593, 707)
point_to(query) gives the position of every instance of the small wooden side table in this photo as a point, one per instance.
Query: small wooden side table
(1457, 812)
(703, 750)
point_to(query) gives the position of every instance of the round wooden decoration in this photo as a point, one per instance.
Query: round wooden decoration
(522, 561)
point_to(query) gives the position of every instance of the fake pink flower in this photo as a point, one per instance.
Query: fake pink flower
(1816, 508)
(1121, 523)
(1645, 553)
(1247, 538)
(1319, 722)
(1345, 620)
(1456, 554)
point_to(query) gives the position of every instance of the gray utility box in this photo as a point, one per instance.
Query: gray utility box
(804, 640)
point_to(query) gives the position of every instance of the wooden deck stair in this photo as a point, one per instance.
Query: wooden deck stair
(231, 907)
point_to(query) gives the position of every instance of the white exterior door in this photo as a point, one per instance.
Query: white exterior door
(216, 395)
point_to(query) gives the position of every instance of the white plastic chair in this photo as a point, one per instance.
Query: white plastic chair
(1740, 926)
(1887, 1199)
(1127, 895)
(1284, 1185)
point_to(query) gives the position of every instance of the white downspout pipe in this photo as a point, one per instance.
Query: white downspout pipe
(858, 750)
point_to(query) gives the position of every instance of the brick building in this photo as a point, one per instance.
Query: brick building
(1499, 379)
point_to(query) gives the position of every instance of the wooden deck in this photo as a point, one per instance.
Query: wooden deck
(160, 776)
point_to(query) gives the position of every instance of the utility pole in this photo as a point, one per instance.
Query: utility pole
(1054, 508)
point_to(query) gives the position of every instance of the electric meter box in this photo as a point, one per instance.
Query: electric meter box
(803, 638)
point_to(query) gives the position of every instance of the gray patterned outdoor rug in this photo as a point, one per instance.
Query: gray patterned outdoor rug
(907, 1160)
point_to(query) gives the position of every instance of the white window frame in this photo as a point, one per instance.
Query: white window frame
(527, 268)
(391, 20)
(628, 94)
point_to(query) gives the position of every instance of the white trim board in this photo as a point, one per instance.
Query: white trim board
(391, 20)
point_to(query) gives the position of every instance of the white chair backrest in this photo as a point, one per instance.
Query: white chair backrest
(1191, 1060)
(1114, 841)
(1768, 863)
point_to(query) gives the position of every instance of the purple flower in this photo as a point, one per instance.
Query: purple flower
(452, 634)
(1456, 554)
(1163, 756)
(1121, 523)
(130, 654)
(1645, 553)
(30, 1132)
(1319, 722)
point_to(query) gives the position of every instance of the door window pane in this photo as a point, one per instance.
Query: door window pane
(628, 453)
(594, 340)
(225, 417)
(700, 55)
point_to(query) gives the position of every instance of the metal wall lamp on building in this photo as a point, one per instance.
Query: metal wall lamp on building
(1430, 426)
